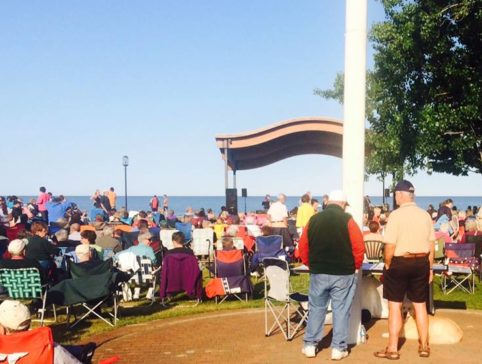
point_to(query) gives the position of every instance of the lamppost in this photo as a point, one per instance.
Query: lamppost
(125, 163)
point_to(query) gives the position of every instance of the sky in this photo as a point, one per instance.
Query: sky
(85, 82)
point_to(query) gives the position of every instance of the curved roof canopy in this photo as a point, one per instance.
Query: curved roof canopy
(258, 148)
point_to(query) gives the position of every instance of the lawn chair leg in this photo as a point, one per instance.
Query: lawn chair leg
(278, 317)
(42, 315)
(115, 310)
(137, 293)
(91, 310)
(150, 293)
(288, 324)
(265, 318)
(68, 309)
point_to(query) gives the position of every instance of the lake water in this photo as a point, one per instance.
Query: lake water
(253, 203)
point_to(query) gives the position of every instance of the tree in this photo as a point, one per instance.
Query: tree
(383, 155)
(428, 82)
(425, 92)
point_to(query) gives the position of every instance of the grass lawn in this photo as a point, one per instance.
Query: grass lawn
(141, 311)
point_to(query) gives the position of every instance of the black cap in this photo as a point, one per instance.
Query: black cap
(405, 185)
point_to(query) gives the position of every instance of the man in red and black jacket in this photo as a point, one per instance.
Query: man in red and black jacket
(333, 248)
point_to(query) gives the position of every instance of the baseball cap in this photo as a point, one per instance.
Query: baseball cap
(405, 186)
(14, 315)
(337, 195)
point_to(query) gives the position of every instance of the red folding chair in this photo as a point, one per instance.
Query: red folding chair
(231, 273)
(461, 265)
(28, 347)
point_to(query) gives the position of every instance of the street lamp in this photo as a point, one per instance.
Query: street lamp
(125, 163)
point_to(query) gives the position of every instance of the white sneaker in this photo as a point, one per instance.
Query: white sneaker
(338, 354)
(309, 351)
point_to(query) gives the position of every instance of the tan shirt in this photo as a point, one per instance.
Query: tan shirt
(410, 228)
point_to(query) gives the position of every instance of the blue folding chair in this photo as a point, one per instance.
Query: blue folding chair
(270, 246)
(186, 229)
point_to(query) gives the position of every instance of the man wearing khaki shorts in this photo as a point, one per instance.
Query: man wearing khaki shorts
(409, 251)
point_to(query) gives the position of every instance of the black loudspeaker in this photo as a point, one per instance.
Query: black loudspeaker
(244, 192)
(232, 200)
(387, 192)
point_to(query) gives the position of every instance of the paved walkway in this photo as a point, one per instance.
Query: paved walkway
(238, 337)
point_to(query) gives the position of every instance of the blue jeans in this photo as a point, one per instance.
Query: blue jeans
(340, 289)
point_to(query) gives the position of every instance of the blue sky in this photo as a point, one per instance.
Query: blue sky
(86, 82)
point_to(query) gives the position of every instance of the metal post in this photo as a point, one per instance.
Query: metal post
(354, 128)
(383, 189)
(125, 163)
(234, 178)
(226, 175)
(125, 186)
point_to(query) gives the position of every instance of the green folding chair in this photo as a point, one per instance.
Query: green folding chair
(25, 283)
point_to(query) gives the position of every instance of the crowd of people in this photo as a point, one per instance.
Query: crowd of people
(321, 235)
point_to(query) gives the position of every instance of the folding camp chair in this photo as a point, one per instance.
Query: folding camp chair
(128, 263)
(180, 272)
(202, 245)
(254, 230)
(25, 283)
(128, 239)
(155, 231)
(477, 240)
(90, 289)
(439, 250)
(277, 288)
(373, 251)
(230, 270)
(166, 238)
(60, 259)
(145, 276)
(27, 347)
(268, 247)
(461, 266)
(186, 229)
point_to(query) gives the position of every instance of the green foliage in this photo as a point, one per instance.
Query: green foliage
(424, 96)
(427, 78)
(336, 93)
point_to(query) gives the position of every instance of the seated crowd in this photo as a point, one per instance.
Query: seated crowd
(28, 239)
